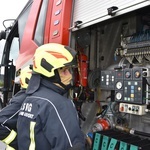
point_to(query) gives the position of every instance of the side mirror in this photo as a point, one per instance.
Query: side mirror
(2, 35)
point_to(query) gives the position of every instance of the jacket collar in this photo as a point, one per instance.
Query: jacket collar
(52, 86)
(36, 81)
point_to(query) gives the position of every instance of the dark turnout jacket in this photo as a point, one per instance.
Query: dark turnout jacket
(49, 121)
(9, 116)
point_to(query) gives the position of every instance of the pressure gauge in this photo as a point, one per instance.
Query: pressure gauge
(137, 74)
(127, 74)
(119, 85)
(118, 96)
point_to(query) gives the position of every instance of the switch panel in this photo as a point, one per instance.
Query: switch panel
(132, 108)
(107, 79)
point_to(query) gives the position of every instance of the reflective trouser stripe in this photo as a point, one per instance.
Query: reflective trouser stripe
(32, 144)
(10, 137)
(9, 148)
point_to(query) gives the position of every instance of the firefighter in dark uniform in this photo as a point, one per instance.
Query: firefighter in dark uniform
(48, 120)
(9, 114)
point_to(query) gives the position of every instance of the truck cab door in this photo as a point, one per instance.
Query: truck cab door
(35, 30)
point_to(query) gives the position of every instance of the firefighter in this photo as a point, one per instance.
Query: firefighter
(9, 114)
(48, 120)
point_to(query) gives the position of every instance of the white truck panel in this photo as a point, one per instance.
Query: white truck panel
(93, 11)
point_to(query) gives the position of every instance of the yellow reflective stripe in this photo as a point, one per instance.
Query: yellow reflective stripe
(10, 137)
(32, 144)
(9, 148)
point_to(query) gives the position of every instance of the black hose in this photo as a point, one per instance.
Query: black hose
(141, 133)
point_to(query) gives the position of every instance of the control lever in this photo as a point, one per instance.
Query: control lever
(78, 103)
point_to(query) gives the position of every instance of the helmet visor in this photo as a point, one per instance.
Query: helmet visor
(73, 63)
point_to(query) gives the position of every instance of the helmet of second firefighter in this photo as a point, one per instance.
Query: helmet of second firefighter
(25, 75)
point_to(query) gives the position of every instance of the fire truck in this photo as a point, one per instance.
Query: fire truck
(112, 81)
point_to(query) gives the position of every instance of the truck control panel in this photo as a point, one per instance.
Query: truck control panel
(129, 84)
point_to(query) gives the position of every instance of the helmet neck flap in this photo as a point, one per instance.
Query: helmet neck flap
(56, 79)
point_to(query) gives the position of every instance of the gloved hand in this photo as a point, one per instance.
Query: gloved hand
(3, 146)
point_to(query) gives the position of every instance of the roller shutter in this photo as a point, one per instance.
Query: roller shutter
(94, 11)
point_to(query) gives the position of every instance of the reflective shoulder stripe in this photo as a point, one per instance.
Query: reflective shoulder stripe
(9, 148)
(32, 144)
(10, 137)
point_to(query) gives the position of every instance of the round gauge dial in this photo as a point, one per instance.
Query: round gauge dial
(127, 74)
(119, 85)
(137, 74)
(118, 96)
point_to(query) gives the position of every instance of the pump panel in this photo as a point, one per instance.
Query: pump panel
(129, 84)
